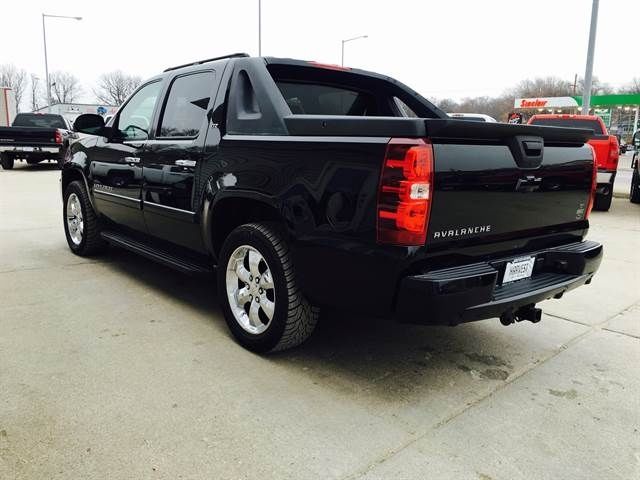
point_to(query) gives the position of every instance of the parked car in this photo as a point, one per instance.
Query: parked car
(34, 137)
(307, 186)
(605, 146)
(622, 144)
(475, 117)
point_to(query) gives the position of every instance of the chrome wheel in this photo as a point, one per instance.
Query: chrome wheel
(250, 289)
(75, 223)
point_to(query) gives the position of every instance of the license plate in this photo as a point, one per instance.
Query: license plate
(26, 149)
(518, 269)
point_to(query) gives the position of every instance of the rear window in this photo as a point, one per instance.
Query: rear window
(569, 122)
(37, 120)
(311, 90)
(316, 99)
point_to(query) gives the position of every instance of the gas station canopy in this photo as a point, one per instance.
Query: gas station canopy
(597, 101)
(622, 109)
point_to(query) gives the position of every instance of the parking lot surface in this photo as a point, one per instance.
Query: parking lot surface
(622, 185)
(115, 367)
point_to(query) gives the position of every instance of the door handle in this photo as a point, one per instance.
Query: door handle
(186, 163)
(132, 159)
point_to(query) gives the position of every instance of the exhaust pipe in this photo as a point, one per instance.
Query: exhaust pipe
(507, 318)
(528, 312)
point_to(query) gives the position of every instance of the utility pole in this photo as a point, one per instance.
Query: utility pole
(46, 66)
(586, 95)
(259, 28)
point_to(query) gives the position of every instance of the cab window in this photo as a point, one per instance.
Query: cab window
(134, 119)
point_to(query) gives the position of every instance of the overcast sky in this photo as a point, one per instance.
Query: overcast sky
(452, 48)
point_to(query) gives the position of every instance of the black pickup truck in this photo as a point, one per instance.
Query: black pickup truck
(34, 137)
(311, 185)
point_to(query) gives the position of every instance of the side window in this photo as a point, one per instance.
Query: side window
(134, 119)
(186, 105)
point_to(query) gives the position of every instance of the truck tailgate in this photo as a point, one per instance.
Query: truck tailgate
(34, 136)
(499, 181)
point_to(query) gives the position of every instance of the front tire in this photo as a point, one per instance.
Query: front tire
(634, 195)
(81, 225)
(260, 296)
(6, 161)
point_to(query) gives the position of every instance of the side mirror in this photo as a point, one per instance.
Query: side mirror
(89, 123)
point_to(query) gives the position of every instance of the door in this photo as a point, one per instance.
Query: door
(172, 158)
(116, 163)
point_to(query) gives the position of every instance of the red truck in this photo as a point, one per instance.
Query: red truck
(605, 146)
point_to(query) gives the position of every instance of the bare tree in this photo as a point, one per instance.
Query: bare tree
(445, 104)
(543, 87)
(65, 87)
(496, 107)
(14, 78)
(598, 87)
(35, 92)
(631, 87)
(115, 87)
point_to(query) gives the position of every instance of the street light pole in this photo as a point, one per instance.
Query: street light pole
(349, 40)
(46, 62)
(259, 28)
(586, 94)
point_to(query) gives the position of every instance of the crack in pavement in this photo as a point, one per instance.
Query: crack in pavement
(31, 269)
(621, 333)
(592, 329)
(52, 227)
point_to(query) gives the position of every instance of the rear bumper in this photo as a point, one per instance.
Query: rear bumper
(28, 150)
(474, 292)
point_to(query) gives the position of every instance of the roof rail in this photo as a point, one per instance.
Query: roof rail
(233, 55)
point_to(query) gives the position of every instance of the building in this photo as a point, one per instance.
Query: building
(7, 106)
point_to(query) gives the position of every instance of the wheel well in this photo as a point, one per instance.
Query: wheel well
(69, 176)
(233, 212)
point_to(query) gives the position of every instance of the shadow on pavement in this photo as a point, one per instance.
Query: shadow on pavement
(353, 353)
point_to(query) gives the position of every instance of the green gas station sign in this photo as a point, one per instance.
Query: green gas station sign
(604, 114)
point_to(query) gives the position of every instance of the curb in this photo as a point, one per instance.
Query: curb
(620, 195)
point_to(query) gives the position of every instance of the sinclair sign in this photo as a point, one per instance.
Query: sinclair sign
(545, 102)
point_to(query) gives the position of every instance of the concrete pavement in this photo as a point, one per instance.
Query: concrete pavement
(115, 367)
(622, 184)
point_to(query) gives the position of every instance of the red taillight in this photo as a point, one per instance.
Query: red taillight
(594, 183)
(58, 136)
(405, 193)
(329, 66)
(614, 153)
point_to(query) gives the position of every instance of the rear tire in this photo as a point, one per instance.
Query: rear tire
(634, 195)
(258, 290)
(6, 161)
(81, 224)
(603, 201)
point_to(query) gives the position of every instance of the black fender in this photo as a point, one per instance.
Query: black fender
(220, 189)
(76, 168)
